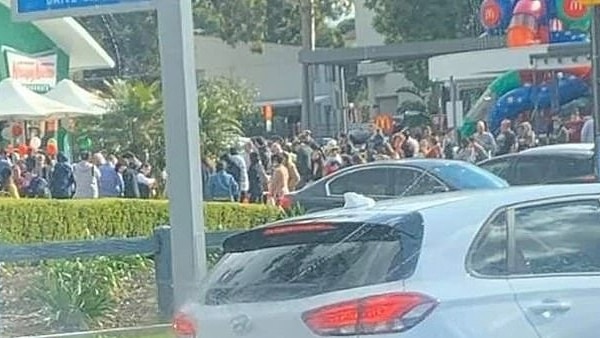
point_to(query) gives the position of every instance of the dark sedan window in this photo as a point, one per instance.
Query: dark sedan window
(467, 176)
(566, 168)
(499, 167)
(532, 170)
(412, 182)
(370, 182)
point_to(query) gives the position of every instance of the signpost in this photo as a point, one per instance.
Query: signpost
(181, 121)
(595, 76)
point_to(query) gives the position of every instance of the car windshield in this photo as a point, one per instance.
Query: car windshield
(465, 177)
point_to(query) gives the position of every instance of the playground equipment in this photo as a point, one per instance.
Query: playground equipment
(525, 23)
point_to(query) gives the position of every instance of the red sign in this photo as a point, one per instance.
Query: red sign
(574, 8)
(490, 14)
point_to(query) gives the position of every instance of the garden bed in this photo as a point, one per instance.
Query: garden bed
(21, 315)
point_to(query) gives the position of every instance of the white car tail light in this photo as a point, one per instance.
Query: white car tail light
(386, 313)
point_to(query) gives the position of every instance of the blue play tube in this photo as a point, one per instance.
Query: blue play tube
(528, 97)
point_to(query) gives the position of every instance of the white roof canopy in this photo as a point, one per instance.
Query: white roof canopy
(481, 64)
(69, 93)
(18, 102)
(84, 52)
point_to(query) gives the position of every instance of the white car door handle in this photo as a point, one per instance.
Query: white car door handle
(549, 307)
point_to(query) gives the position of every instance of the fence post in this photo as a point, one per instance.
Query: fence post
(163, 271)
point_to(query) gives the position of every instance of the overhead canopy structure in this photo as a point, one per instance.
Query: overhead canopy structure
(69, 93)
(489, 64)
(18, 102)
(398, 52)
(84, 52)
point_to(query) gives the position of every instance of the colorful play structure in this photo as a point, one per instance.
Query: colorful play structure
(526, 23)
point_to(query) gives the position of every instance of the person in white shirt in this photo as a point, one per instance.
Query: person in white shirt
(145, 183)
(86, 176)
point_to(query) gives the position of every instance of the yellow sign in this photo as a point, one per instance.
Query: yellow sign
(385, 122)
(589, 2)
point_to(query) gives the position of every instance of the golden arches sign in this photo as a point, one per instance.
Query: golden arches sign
(385, 122)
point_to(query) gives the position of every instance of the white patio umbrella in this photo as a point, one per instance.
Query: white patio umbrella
(18, 102)
(69, 93)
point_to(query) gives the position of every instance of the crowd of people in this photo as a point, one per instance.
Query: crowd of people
(267, 170)
(264, 170)
(38, 175)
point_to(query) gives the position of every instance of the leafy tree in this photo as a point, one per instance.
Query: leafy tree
(417, 20)
(132, 38)
(347, 26)
(222, 106)
(254, 124)
(132, 41)
(134, 122)
(135, 119)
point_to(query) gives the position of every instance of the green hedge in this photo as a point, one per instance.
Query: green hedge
(35, 220)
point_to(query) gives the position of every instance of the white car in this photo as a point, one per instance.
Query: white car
(517, 262)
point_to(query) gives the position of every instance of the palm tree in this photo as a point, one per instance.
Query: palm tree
(134, 122)
(222, 105)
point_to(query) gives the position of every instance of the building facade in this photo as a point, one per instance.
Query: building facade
(277, 76)
(382, 82)
(41, 53)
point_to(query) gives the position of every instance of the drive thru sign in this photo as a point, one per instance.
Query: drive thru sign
(46, 9)
(176, 37)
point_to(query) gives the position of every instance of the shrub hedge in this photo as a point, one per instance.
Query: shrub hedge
(36, 220)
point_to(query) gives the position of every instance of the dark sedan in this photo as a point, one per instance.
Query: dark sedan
(392, 179)
(554, 164)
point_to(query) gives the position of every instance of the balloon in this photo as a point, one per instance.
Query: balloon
(52, 141)
(17, 130)
(51, 149)
(23, 149)
(35, 143)
(573, 14)
(490, 14)
(6, 133)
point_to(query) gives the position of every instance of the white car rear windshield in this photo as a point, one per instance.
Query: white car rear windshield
(317, 259)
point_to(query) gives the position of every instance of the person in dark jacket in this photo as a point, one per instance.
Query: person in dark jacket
(130, 180)
(257, 178)
(62, 179)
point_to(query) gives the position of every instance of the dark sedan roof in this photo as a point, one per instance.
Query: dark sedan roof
(451, 202)
(423, 163)
(567, 148)
(581, 149)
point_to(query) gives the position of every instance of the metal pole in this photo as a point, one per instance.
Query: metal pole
(344, 94)
(182, 133)
(595, 84)
(454, 107)
(308, 43)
